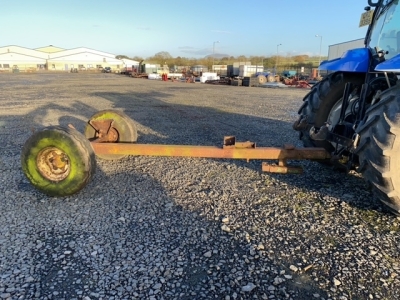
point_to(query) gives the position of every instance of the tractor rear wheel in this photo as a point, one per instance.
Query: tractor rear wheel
(111, 126)
(58, 161)
(379, 148)
(323, 104)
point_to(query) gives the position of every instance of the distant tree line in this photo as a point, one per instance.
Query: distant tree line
(269, 62)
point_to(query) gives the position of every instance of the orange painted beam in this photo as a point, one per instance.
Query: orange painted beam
(210, 151)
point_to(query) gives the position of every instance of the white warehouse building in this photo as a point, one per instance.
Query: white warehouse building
(52, 58)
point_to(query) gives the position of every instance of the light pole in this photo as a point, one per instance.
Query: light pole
(214, 53)
(276, 61)
(320, 47)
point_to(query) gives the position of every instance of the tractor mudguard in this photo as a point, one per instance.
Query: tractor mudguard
(391, 65)
(355, 60)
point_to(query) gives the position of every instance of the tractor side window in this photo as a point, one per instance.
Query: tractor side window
(385, 34)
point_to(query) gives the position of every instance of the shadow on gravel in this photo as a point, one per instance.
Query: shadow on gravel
(84, 237)
(191, 124)
(162, 122)
(125, 232)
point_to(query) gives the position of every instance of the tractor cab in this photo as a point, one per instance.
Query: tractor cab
(382, 40)
(354, 113)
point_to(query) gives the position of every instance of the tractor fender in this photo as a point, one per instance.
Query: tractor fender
(355, 60)
(391, 65)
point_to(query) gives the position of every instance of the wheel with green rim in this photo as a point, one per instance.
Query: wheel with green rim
(111, 126)
(58, 161)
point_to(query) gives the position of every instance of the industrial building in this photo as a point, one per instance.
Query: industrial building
(51, 58)
(337, 50)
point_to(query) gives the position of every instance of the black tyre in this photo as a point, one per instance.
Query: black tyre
(58, 161)
(379, 148)
(123, 129)
(323, 103)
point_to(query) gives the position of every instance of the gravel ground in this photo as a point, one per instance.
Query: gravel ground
(185, 228)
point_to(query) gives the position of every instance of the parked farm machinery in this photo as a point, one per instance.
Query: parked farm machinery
(295, 82)
(222, 81)
(60, 161)
(350, 119)
(354, 113)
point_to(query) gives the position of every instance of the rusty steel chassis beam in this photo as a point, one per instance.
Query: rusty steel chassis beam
(231, 149)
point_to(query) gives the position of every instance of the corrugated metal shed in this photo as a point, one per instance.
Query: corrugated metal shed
(337, 50)
(22, 62)
(56, 59)
(82, 61)
(49, 49)
(13, 58)
(23, 51)
(79, 50)
(20, 58)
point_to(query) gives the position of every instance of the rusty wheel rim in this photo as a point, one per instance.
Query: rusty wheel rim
(53, 164)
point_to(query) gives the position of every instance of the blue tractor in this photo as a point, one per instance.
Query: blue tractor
(354, 112)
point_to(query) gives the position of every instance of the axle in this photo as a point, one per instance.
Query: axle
(230, 150)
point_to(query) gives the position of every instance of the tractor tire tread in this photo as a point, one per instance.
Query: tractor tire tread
(320, 100)
(378, 150)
